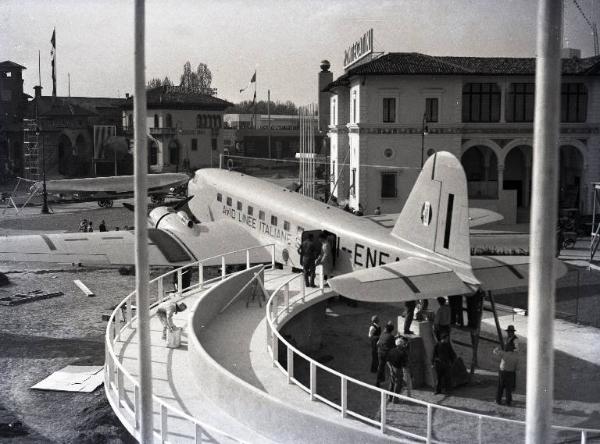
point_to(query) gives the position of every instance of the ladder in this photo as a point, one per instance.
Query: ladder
(31, 150)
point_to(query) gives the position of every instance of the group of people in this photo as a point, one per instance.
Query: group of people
(313, 253)
(87, 226)
(391, 351)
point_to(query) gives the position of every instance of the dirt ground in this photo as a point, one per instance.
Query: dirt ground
(41, 337)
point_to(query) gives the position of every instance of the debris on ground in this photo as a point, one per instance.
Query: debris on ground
(32, 296)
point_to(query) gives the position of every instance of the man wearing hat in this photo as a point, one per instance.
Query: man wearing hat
(384, 345)
(397, 359)
(507, 374)
(374, 333)
(165, 312)
(512, 337)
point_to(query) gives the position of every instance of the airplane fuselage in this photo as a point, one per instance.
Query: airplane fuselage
(276, 215)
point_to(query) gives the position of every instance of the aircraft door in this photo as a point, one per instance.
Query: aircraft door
(331, 240)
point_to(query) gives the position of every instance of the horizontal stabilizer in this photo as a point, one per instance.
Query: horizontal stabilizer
(502, 272)
(482, 216)
(405, 280)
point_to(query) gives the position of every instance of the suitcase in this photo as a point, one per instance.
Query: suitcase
(174, 338)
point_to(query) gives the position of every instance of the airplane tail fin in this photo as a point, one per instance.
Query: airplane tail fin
(436, 213)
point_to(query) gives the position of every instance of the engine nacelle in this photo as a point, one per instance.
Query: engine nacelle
(167, 218)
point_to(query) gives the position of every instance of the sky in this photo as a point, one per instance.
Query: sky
(284, 40)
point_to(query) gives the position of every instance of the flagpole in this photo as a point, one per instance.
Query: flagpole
(141, 231)
(54, 92)
(269, 129)
(39, 70)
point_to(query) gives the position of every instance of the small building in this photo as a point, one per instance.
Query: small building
(185, 129)
(389, 113)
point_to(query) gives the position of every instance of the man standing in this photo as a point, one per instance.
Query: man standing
(102, 226)
(456, 310)
(308, 255)
(443, 357)
(165, 313)
(325, 258)
(374, 334)
(441, 322)
(399, 372)
(507, 375)
(384, 345)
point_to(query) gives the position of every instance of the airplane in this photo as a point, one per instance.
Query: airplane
(106, 189)
(425, 255)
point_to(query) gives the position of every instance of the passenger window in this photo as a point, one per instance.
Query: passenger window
(229, 201)
(261, 215)
(239, 206)
(250, 210)
(219, 197)
(274, 220)
(286, 225)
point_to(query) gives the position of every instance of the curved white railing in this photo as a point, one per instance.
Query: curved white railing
(117, 378)
(274, 338)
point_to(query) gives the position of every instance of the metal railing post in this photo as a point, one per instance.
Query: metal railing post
(164, 416)
(286, 295)
(117, 330)
(290, 364)
(273, 256)
(479, 429)
(120, 386)
(313, 380)
(583, 437)
(303, 289)
(275, 348)
(129, 312)
(343, 396)
(383, 410)
(247, 259)
(198, 432)
(223, 268)
(179, 282)
(429, 423)
(201, 275)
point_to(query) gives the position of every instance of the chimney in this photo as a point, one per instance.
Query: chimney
(325, 78)
(38, 91)
(569, 53)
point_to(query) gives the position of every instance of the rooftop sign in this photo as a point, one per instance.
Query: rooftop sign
(359, 49)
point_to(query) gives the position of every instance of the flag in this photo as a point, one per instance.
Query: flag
(53, 61)
(101, 135)
(252, 80)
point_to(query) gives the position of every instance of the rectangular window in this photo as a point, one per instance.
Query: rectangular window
(219, 197)
(194, 144)
(389, 110)
(520, 102)
(229, 201)
(250, 210)
(431, 109)
(388, 185)
(239, 206)
(286, 225)
(261, 215)
(354, 117)
(353, 182)
(481, 102)
(274, 220)
(573, 102)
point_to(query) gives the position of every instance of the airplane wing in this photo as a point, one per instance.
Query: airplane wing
(404, 280)
(502, 272)
(115, 184)
(477, 217)
(116, 248)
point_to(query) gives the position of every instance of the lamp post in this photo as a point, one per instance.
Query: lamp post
(44, 191)
(424, 132)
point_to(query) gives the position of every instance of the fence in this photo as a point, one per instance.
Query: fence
(119, 383)
(419, 420)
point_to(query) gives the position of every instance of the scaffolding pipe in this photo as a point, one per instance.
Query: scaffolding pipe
(141, 232)
(542, 284)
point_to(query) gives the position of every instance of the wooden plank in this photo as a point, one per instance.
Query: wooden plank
(83, 288)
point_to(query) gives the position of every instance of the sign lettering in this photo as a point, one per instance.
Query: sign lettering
(359, 49)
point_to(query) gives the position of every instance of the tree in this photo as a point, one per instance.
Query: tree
(277, 108)
(155, 82)
(198, 81)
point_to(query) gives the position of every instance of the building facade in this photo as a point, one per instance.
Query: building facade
(185, 129)
(13, 106)
(390, 113)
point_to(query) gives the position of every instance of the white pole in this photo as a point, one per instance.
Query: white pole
(141, 231)
(542, 285)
